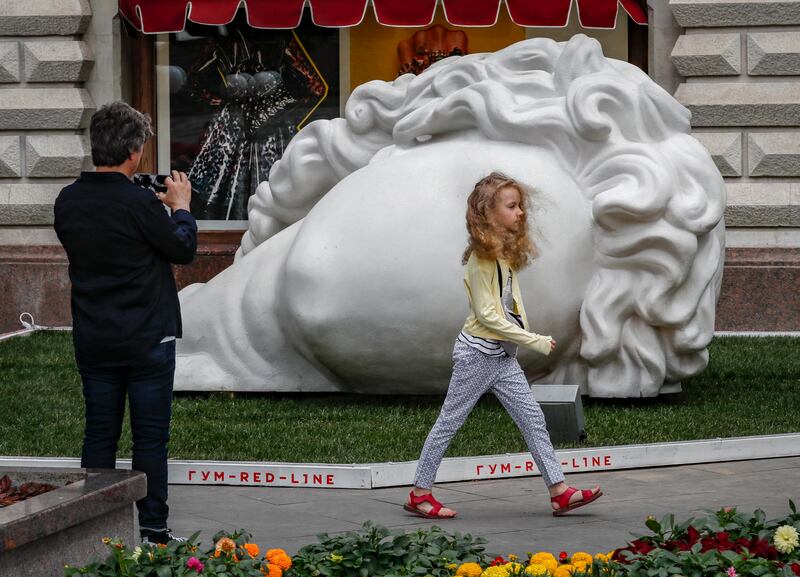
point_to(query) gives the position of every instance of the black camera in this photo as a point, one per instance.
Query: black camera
(155, 182)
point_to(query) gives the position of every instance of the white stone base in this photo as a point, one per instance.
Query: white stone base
(377, 475)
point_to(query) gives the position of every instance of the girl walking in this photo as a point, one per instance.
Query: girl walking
(485, 351)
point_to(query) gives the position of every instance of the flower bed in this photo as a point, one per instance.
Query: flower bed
(232, 556)
(725, 543)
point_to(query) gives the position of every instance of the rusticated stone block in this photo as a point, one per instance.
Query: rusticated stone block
(774, 153)
(54, 155)
(731, 104)
(773, 53)
(57, 61)
(762, 216)
(762, 204)
(44, 108)
(9, 62)
(759, 193)
(29, 203)
(44, 17)
(705, 13)
(707, 55)
(725, 149)
(9, 156)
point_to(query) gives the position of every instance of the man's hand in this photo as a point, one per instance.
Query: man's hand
(179, 191)
(552, 344)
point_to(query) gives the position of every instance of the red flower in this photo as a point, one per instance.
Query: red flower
(692, 535)
(563, 556)
(795, 568)
(708, 544)
(497, 561)
(642, 547)
(762, 548)
(681, 545)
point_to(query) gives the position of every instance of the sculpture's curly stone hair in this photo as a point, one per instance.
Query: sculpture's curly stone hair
(657, 199)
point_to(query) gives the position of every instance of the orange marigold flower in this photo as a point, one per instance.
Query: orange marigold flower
(270, 570)
(279, 557)
(252, 549)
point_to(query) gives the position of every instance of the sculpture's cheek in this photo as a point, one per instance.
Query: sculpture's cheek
(373, 287)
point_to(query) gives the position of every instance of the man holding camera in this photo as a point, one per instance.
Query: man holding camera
(121, 243)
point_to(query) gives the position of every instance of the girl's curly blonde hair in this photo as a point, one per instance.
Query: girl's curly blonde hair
(488, 241)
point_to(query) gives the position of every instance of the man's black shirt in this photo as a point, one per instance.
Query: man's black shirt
(120, 242)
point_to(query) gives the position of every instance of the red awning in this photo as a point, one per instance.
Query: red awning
(154, 16)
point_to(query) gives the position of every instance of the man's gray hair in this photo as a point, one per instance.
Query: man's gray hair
(117, 130)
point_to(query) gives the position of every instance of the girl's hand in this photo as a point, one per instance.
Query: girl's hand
(552, 344)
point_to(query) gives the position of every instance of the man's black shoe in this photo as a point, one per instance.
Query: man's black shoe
(158, 536)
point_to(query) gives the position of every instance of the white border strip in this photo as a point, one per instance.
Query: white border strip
(794, 334)
(233, 225)
(377, 475)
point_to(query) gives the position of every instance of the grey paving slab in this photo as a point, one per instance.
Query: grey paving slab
(513, 514)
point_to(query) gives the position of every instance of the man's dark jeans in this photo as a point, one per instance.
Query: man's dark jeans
(148, 385)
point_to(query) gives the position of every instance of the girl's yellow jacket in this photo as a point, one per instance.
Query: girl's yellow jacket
(486, 317)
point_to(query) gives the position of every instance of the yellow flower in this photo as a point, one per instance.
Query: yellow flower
(564, 571)
(785, 539)
(469, 570)
(512, 557)
(536, 570)
(582, 567)
(514, 568)
(541, 556)
(106, 540)
(582, 558)
(546, 559)
(336, 558)
(496, 571)
(602, 557)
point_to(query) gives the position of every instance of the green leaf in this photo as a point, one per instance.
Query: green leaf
(164, 571)
(653, 525)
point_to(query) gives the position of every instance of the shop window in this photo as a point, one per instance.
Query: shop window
(227, 100)
(230, 99)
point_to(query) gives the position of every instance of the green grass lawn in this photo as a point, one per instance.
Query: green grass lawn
(751, 387)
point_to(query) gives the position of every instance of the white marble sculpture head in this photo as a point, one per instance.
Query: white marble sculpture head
(349, 277)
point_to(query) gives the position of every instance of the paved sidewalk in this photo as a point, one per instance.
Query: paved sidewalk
(512, 514)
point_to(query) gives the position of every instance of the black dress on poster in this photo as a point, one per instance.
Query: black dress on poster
(237, 97)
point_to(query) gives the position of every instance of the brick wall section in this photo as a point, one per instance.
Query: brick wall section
(44, 109)
(741, 65)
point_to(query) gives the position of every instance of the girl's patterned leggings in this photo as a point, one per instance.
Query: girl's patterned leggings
(475, 373)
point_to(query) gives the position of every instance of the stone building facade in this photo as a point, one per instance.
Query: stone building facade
(740, 67)
(734, 63)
